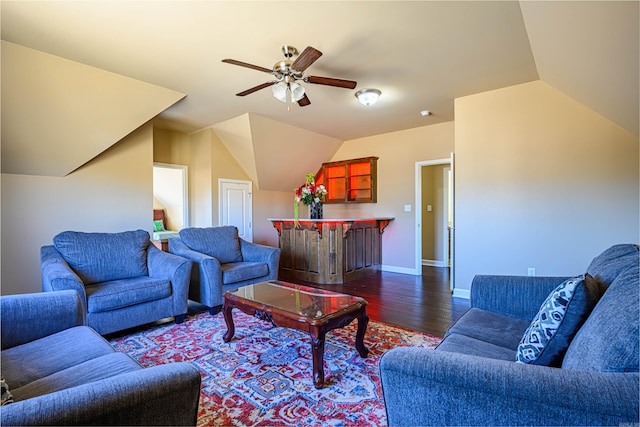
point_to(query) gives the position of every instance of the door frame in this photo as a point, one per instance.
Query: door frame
(418, 214)
(248, 212)
(185, 188)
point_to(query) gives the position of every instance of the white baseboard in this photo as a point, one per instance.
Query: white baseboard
(433, 263)
(462, 293)
(401, 270)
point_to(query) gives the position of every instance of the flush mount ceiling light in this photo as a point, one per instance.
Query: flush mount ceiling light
(425, 113)
(368, 96)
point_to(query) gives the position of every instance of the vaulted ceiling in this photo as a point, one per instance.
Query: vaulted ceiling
(420, 54)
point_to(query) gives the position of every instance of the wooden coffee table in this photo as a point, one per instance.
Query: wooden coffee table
(306, 309)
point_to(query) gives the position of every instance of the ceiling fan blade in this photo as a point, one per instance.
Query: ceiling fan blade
(244, 64)
(306, 58)
(255, 89)
(347, 84)
(304, 101)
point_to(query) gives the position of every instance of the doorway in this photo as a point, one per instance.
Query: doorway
(235, 206)
(170, 192)
(434, 215)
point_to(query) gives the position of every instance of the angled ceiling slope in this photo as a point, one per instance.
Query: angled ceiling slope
(235, 134)
(275, 155)
(590, 51)
(58, 114)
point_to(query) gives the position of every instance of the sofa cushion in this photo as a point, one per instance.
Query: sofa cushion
(559, 318)
(488, 326)
(28, 362)
(221, 243)
(456, 343)
(100, 257)
(613, 261)
(238, 271)
(115, 294)
(608, 340)
(95, 369)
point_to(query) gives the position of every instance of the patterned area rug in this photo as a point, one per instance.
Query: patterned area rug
(263, 376)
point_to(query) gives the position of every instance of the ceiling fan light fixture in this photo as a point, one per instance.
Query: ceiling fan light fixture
(297, 91)
(368, 96)
(280, 91)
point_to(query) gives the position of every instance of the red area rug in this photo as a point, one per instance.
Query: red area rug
(263, 376)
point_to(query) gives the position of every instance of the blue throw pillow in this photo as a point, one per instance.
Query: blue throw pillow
(563, 312)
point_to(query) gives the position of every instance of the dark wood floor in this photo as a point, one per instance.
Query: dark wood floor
(422, 303)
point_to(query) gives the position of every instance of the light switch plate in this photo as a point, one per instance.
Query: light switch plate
(407, 208)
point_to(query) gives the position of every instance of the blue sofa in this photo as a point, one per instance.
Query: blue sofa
(472, 378)
(122, 280)
(224, 262)
(62, 373)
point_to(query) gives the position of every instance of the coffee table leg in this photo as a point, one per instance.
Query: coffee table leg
(317, 354)
(228, 318)
(363, 321)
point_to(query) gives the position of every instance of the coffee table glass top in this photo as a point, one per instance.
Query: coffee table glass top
(303, 300)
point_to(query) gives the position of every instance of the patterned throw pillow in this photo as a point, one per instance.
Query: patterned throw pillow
(7, 397)
(158, 225)
(563, 312)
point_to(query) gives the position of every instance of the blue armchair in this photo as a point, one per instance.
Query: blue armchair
(60, 372)
(472, 377)
(121, 279)
(224, 262)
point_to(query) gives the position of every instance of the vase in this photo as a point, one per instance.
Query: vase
(315, 210)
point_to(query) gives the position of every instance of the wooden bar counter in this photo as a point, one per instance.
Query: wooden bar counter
(330, 251)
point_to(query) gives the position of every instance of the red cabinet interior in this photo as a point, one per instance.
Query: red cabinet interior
(349, 181)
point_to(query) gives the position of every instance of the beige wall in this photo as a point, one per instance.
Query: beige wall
(170, 147)
(398, 153)
(541, 181)
(270, 204)
(111, 193)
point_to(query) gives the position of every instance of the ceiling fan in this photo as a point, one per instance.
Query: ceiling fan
(289, 72)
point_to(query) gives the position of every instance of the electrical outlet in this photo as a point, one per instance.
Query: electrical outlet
(531, 271)
(407, 208)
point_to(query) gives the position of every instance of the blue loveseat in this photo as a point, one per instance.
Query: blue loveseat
(60, 372)
(472, 377)
(223, 261)
(121, 278)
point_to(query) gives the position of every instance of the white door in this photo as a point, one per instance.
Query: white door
(235, 206)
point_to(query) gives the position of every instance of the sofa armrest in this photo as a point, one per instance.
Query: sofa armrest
(175, 268)
(518, 296)
(177, 247)
(159, 395)
(427, 387)
(57, 274)
(254, 252)
(28, 317)
(208, 271)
